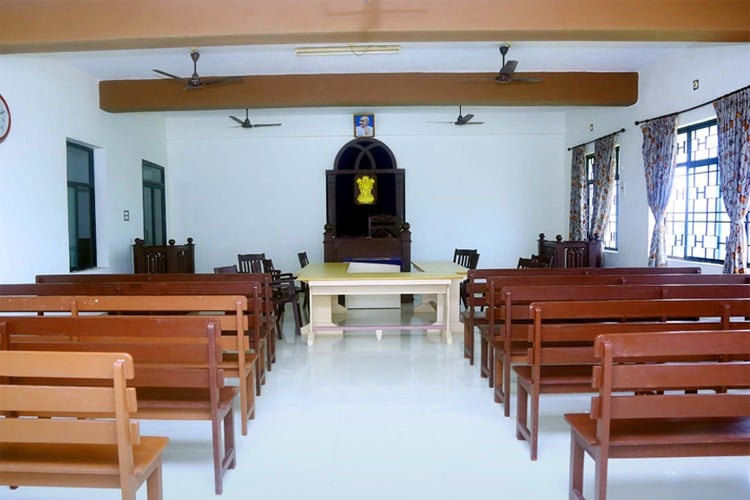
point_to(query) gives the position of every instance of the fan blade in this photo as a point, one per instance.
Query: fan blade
(220, 79)
(237, 119)
(266, 124)
(170, 75)
(468, 117)
(470, 123)
(508, 68)
(529, 79)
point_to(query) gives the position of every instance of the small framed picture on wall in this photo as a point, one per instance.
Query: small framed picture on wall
(364, 125)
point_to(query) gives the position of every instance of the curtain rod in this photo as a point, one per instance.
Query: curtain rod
(694, 107)
(594, 140)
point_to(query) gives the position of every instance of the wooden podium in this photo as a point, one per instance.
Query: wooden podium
(365, 216)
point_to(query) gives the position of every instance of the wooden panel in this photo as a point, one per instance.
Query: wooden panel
(386, 89)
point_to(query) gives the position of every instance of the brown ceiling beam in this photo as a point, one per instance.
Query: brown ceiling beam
(60, 25)
(379, 89)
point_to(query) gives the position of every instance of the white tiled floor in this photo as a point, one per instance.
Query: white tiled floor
(403, 418)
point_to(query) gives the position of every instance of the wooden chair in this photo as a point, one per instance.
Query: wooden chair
(464, 257)
(101, 448)
(526, 263)
(303, 261)
(544, 259)
(469, 258)
(284, 292)
(226, 269)
(250, 262)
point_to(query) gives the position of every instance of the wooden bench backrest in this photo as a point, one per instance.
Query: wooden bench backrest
(91, 278)
(478, 289)
(190, 361)
(247, 288)
(36, 304)
(101, 385)
(240, 311)
(509, 303)
(99, 396)
(484, 273)
(264, 278)
(677, 361)
(564, 332)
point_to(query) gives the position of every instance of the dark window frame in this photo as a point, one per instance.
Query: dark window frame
(78, 187)
(685, 239)
(612, 242)
(147, 183)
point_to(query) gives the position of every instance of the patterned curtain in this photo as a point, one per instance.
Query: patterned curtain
(604, 186)
(733, 118)
(579, 200)
(659, 165)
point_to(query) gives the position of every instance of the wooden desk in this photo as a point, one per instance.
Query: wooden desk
(328, 280)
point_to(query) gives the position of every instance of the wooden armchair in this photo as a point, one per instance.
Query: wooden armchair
(284, 292)
(303, 261)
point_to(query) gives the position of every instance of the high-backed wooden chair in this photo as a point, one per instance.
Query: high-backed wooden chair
(526, 263)
(226, 269)
(250, 262)
(469, 258)
(303, 261)
(465, 256)
(284, 292)
(543, 259)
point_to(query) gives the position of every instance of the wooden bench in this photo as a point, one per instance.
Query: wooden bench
(476, 297)
(657, 397)
(240, 322)
(177, 372)
(509, 317)
(146, 284)
(560, 356)
(591, 279)
(99, 447)
(270, 329)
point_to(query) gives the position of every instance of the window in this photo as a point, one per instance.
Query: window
(81, 214)
(697, 223)
(154, 215)
(610, 234)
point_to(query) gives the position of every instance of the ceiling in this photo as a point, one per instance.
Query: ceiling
(586, 55)
(459, 57)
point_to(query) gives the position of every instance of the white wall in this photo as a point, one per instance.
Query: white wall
(493, 187)
(665, 87)
(51, 103)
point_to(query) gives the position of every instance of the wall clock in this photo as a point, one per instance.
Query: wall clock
(4, 119)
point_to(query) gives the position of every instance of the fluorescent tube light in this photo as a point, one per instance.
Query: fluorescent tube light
(338, 50)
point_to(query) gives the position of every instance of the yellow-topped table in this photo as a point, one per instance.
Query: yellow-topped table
(328, 280)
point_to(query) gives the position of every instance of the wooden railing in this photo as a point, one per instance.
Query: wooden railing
(156, 259)
(571, 253)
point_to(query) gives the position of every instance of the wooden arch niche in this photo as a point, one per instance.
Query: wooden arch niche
(365, 215)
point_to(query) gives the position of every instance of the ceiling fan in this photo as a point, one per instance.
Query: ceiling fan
(247, 124)
(463, 119)
(508, 69)
(195, 81)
